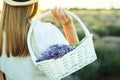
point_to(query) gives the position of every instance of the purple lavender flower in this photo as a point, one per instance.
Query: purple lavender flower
(55, 51)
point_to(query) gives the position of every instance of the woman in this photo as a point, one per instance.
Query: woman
(15, 60)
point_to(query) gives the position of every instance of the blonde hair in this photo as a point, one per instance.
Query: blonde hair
(15, 22)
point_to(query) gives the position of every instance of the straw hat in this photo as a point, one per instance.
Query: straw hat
(20, 2)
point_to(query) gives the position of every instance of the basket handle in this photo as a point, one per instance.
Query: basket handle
(87, 33)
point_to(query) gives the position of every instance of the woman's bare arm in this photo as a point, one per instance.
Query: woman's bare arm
(63, 18)
(1, 76)
(70, 33)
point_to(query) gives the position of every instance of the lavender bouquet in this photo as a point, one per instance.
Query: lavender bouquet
(55, 51)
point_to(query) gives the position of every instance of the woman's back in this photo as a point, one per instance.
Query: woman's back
(22, 68)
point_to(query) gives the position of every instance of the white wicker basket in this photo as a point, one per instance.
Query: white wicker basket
(81, 56)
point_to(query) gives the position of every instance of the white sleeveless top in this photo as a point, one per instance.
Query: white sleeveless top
(19, 68)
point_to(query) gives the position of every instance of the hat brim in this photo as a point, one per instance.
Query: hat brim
(14, 3)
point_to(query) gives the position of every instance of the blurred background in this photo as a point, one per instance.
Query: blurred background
(102, 18)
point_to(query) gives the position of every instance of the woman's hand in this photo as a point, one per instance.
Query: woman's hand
(61, 16)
